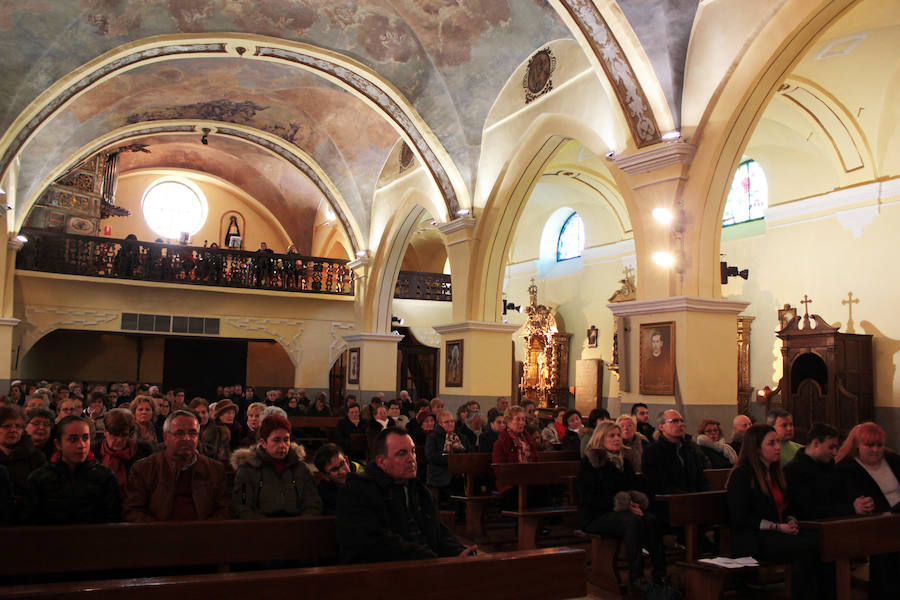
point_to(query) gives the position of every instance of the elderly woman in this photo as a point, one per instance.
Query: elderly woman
(514, 444)
(38, 427)
(347, 427)
(272, 480)
(870, 471)
(613, 501)
(251, 431)
(711, 442)
(74, 488)
(144, 412)
(425, 427)
(553, 433)
(633, 442)
(17, 453)
(119, 448)
(380, 420)
(761, 522)
(443, 442)
(571, 438)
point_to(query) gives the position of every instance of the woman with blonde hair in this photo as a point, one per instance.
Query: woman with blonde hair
(144, 411)
(871, 471)
(710, 439)
(613, 501)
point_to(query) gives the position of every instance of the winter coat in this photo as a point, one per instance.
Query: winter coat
(343, 433)
(599, 482)
(373, 520)
(814, 489)
(215, 442)
(22, 460)
(259, 492)
(747, 507)
(56, 494)
(7, 512)
(666, 474)
(438, 472)
(719, 454)
(150, 492)
(858, 482)
(505, 451)
(328, 491)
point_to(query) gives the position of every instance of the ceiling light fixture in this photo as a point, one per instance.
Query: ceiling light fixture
(663, 259)
(462, 212)
(21, 238)
(663, 215)
(671, 135)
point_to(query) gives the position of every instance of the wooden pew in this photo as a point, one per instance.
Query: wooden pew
(327, 425)
(695, 511)
(842, 539)
(475, 465)
(717, 478)
(522, 475)
(549, 574)
(75, 549)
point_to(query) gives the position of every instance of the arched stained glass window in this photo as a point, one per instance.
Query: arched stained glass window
(571, 238)
(749, 195)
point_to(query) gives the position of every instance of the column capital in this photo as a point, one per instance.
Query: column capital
(461, 224)
(677, 304)
(9, 322)
(393, 338)
(481, 326)
(360, 263)
(658, 156)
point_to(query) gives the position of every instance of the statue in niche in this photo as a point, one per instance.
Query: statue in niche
(233, 231)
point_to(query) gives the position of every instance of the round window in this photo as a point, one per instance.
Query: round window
(172, 208)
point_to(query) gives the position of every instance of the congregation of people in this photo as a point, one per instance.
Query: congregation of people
(69, 454)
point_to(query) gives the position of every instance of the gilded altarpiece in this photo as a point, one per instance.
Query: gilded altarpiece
(545, 373)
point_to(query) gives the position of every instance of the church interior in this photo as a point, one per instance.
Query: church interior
(433, 161)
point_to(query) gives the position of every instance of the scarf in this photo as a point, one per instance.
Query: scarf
(560, 430)
(452, 443)
(523, 450)
(117, 459)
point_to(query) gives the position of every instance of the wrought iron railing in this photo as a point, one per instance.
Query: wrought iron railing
(70, 254)
(413, 285)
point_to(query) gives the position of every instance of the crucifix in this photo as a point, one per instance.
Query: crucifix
(805, 302)
(850, 301)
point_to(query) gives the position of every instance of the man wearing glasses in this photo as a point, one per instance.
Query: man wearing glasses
(178, 483)
(674, 464)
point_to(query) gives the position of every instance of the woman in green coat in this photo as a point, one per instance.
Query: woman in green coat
(272, 480)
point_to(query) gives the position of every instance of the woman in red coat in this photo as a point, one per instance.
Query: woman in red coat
(515, 445)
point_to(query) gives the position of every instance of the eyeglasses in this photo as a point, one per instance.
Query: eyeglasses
(9, 426)
(675, 420)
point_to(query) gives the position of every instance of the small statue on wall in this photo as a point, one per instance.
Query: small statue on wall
(628, 291)
(592, 334)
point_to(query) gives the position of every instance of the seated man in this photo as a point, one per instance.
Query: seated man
(642, 414)
(740, 425)
(334, 469)
(394, 412)
(783, 423)
(814, 486)
(387, 514)
(177, 483)
(673, 464)
(496, 424)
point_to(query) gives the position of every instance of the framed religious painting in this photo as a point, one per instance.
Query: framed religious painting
(657, 359)
(353, 365)
(454, 364)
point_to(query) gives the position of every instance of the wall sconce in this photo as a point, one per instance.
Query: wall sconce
(508, 306)
(396, 320)
(727, 272)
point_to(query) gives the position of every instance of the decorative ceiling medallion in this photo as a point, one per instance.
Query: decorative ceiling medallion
(618, 70)
(537, 80)
(406, 157)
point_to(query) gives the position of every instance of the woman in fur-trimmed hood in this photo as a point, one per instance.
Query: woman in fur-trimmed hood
(613, 502)
(272, 480)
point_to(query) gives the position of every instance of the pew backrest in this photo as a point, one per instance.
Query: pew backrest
(717, 478)
(537, 473)
(315, 422)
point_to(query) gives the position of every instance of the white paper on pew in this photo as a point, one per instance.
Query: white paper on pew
(731, 563)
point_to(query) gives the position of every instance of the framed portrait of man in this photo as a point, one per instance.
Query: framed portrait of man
(657, 359)
(454, 365)
(353, 365)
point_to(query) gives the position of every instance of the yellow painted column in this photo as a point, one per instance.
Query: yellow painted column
(7, 322)
(459, 240)
(375, 365)
(479, 357)
(705, 355)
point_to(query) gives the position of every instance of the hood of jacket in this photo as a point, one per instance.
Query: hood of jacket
(256, 457)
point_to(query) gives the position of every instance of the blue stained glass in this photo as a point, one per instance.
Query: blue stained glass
(571, 238)
(749, 195)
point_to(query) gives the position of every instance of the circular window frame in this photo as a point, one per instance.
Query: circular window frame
(190, 185)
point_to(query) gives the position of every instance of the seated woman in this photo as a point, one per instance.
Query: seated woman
(17, 453)
(272, 480)
(711, 442)
(251, 431)
(120, 449)
(425, 427)
(320, 407)
(347, 427)
(553, 433)
(215, 433)
(514, 445)
(380, 420)
(74, 488)
(613, 501)
(443, 442)
(868, 470)
(571, 438)
(38, 427)
(144, 412)
(761, 525)
(633, 442)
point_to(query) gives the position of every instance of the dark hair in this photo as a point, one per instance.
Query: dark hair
(324, 455)
(271, 423)
(198, 401)
(61, 426)
(461, 409)
(636, 406)
(750, 457)
(569, 413)
(39, 412)
(177, 391)
(98, 396)
(380, 446)
(393, 402)
(775, 414)
(119, 422)
(559, 409)
(11, 411)
(179, 413)
(492, 415)
(821, 432)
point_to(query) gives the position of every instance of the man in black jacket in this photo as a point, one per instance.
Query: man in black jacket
(673, 464)
(814, 486)
(387, 514)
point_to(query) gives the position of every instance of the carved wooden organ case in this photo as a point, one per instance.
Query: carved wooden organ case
(828, 375)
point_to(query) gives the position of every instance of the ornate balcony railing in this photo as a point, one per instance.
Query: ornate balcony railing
(413, 285)
(172, 263)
